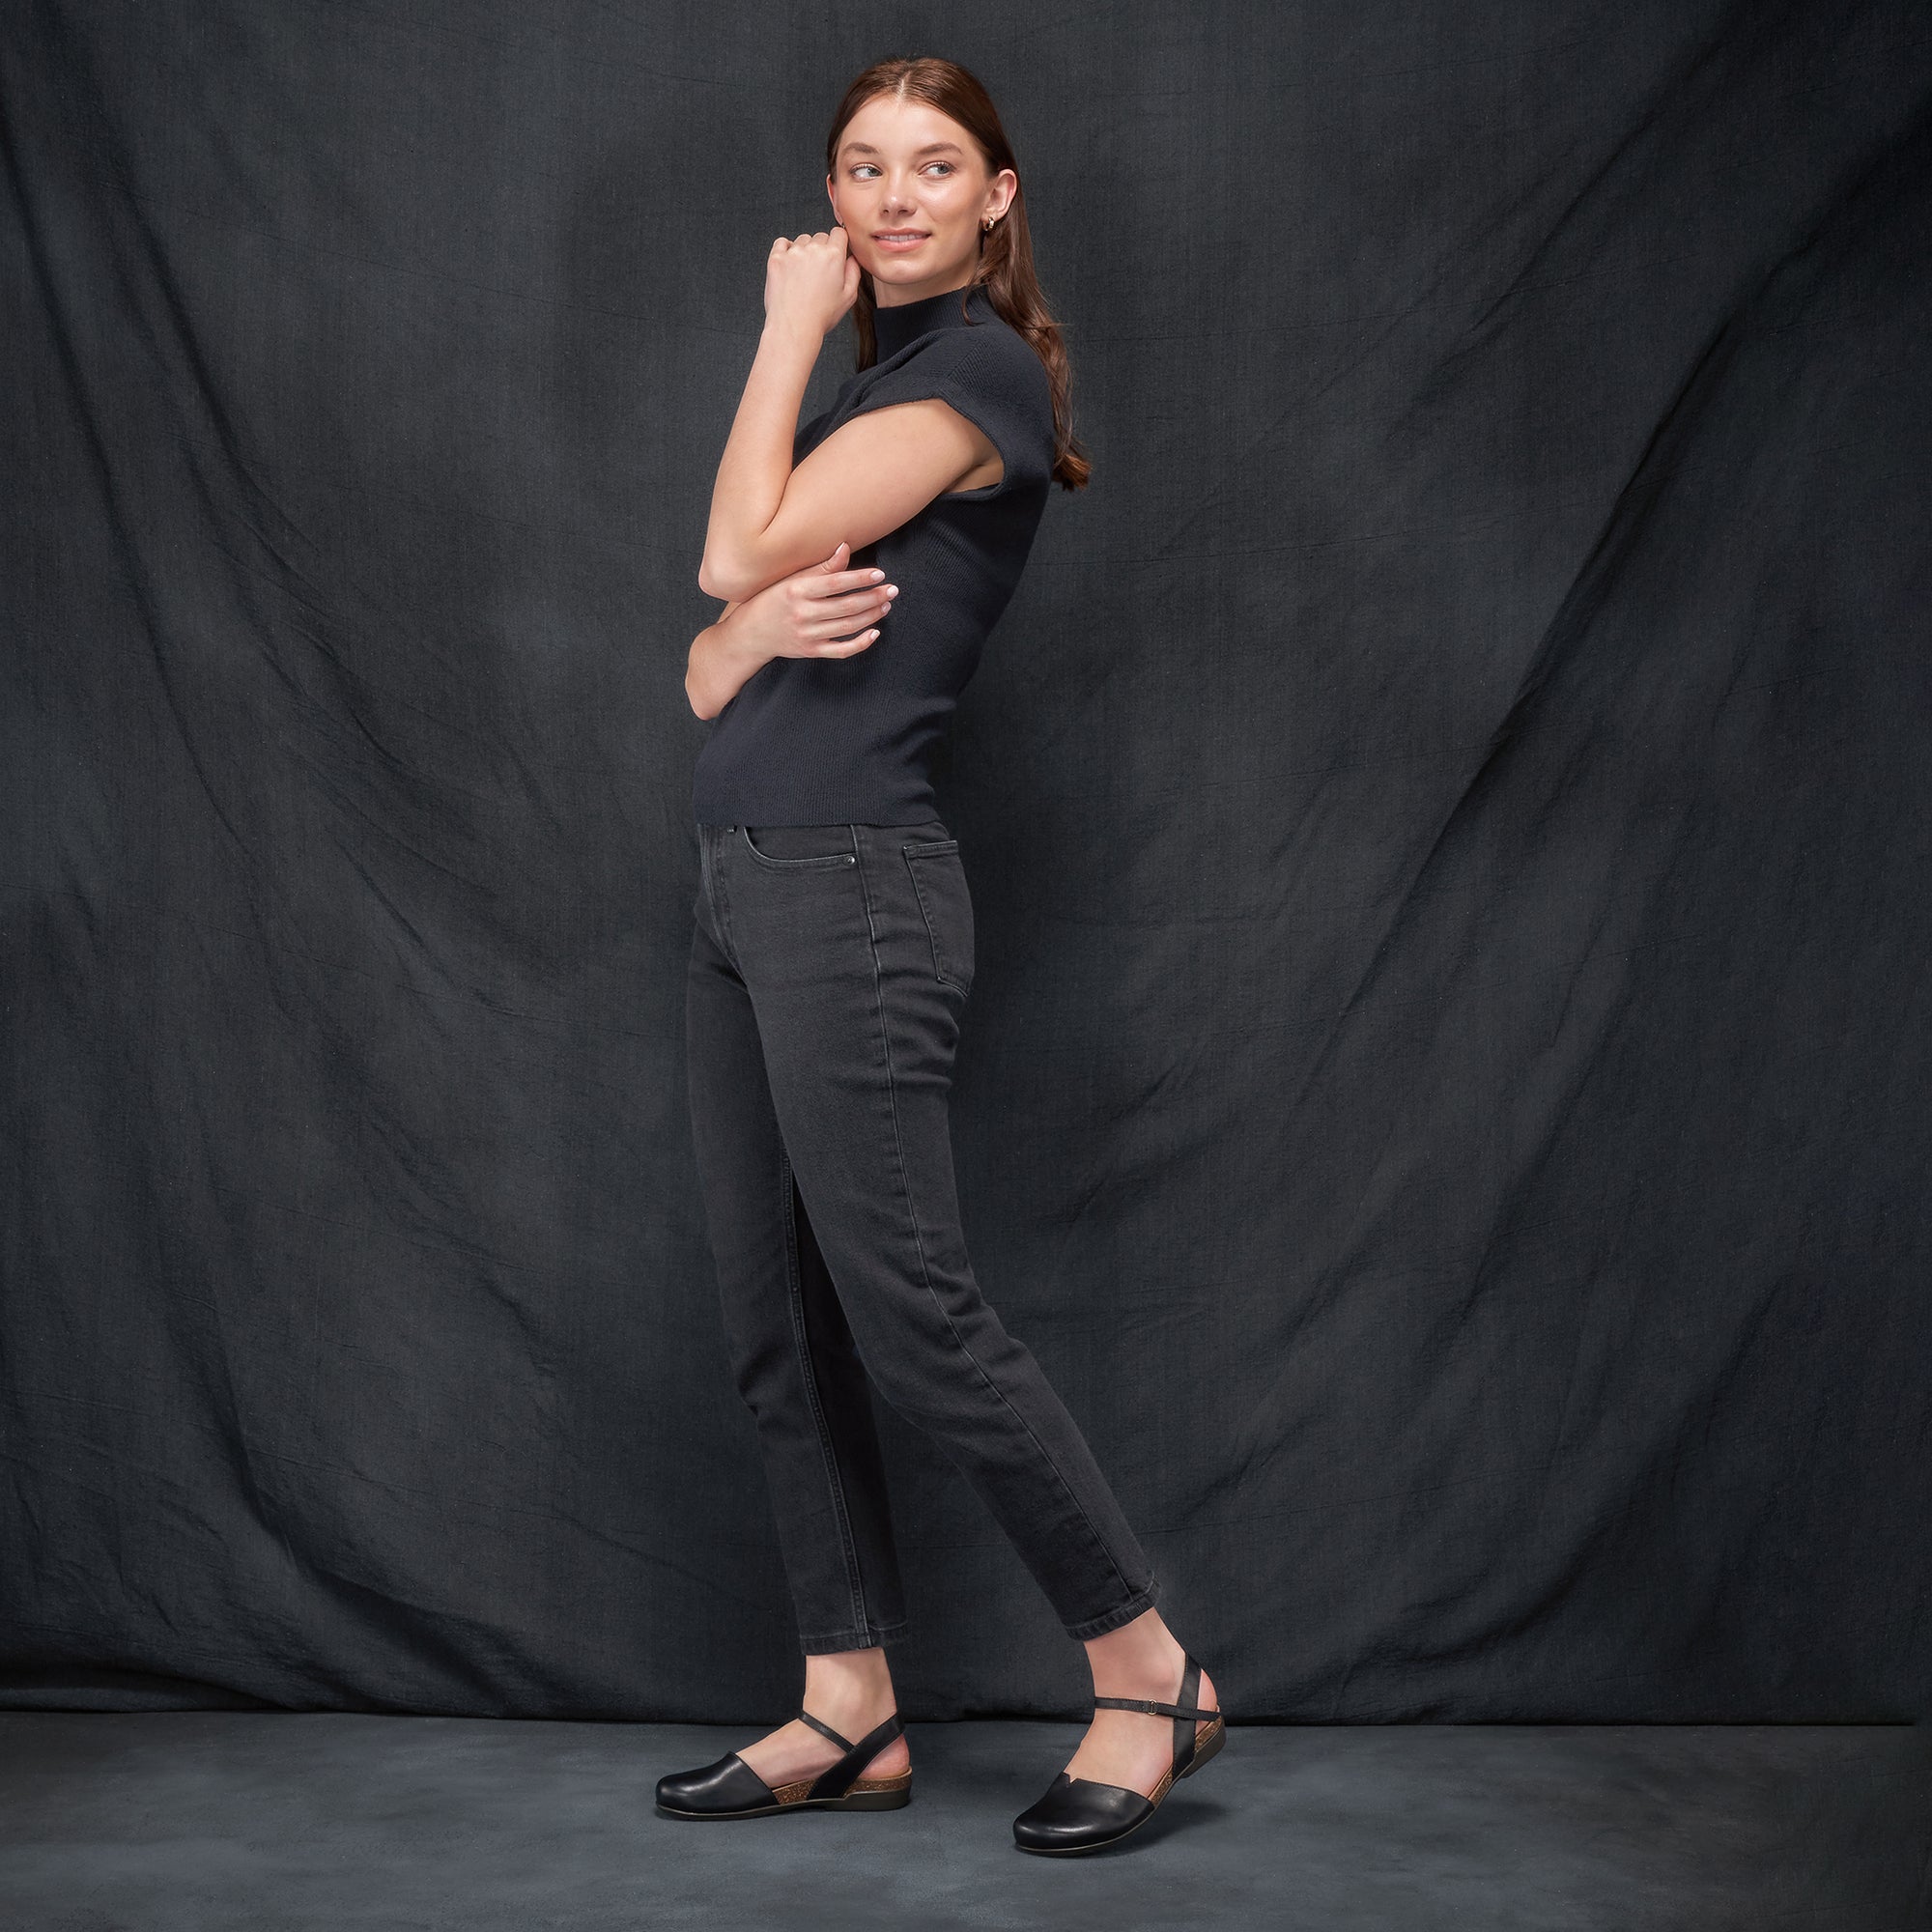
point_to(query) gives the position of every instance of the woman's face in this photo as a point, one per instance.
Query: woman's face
(910, 187)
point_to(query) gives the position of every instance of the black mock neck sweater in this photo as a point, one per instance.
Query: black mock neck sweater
(836, 741)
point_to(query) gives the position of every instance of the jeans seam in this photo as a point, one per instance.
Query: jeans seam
(720, 912)
(919, 1247)
(802, 1342)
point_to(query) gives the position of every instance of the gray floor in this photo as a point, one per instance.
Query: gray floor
(205, 1821)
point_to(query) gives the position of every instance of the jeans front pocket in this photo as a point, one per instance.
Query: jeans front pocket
(939, 879)
(806, 862)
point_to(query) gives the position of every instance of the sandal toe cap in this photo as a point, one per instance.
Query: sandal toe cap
(1074, 1814)
(729, 1785)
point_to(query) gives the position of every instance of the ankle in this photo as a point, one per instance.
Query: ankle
(1143, 1658)
(848, 1687)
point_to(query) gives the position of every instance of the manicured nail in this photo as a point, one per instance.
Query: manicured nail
(876, 575)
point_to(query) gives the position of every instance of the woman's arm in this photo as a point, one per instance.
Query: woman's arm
(866, 479)
(806, 614)
(717, 667)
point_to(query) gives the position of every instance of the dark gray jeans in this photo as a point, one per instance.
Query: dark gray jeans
(828, 972)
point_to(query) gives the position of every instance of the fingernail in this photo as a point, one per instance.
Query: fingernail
(891, 590)
(876, 575)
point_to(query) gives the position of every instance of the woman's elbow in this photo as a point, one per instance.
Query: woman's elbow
(720, 579)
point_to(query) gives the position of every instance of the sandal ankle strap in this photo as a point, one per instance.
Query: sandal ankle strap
(1154, 1709)
(824, 1730)
(1184, 1710)
(836, 1781)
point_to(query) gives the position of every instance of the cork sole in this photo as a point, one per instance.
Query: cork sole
(893, 1790)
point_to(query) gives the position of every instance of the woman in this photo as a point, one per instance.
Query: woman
(865, 558)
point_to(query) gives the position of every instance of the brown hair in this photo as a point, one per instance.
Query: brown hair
(1006, 254)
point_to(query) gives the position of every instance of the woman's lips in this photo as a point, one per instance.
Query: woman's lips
(899, 241)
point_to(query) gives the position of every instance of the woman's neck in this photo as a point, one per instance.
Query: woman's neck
(906, 322)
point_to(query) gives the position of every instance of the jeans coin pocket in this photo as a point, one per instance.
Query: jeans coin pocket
(939, 879)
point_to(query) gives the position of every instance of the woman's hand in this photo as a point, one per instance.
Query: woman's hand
(810, 281)
(806, 614)
(803, 615)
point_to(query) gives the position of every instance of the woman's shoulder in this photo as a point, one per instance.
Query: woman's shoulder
(986, 368)
(992, 350)
(988, 361)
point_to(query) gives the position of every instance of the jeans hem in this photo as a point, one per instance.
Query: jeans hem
(1123, 1613)
(861, 1638)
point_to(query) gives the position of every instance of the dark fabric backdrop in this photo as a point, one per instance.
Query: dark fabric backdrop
(1449, 810)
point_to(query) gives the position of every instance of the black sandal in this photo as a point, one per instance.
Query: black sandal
(732, 1789)
(1082, 1815)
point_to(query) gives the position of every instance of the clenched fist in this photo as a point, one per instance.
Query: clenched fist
(811, 282)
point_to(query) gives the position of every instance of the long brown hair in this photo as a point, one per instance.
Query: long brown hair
(1006, 254)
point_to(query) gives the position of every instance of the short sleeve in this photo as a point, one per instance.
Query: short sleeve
(993, 378)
